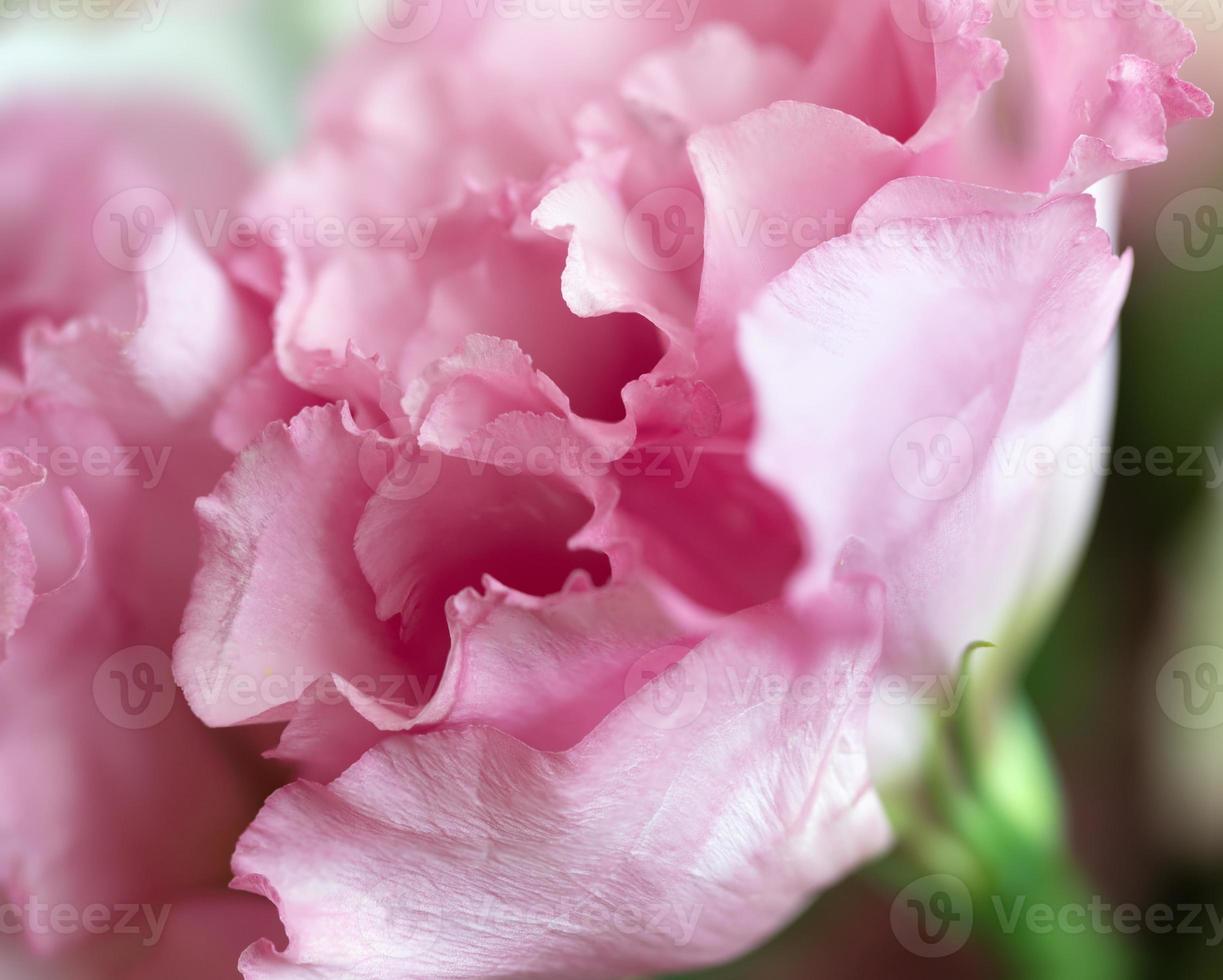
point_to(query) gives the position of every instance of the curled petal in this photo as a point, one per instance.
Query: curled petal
(776, 183)
(713, 79)
(914, 69)
(280, 596)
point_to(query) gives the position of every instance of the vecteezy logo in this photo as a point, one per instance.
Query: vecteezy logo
(1206, 679)
(134, 688)
(136, 230)
(1207, 221)
(933, 21)
(941, 908)
(665, 231)
(668, 233)
(933, 459)
(1189, 687)
(394, 466)
(1190, 230)
(669, 695)
(932, 917)
(401, 21)
(667, 688)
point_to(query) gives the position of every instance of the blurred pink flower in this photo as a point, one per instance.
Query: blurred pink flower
(118, 809)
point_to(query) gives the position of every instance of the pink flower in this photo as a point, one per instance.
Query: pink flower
(588, 509)
(606, 402)
(118, 809)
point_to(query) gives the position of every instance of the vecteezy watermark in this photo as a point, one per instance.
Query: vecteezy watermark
(933, 459)
(1190, 687)
(146, 464)
(1022, 457)
(395, 467)
(259, 692)
(938, 21)
(407, 234)
(573, 459)
(148, 13)
(401, 21)
(755, 228)
(936, 458)
(933, 917)
(1101, 916)
(667, 230)
(137, 230)
(1190, 230)
(1201, 15)
(943, 693)
(1072, 10)
(933, 21)
(664, 231)
(134, 688)
(409, 21)
(37, 918)
(666, 688)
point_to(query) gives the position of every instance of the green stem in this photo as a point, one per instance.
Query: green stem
(987, 809)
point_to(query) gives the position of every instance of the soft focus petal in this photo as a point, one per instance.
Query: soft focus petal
(623, 864)
(204, 937)
(64, 164)
(194, 338)
(71, 775)
(1088, 93)
(714, 78)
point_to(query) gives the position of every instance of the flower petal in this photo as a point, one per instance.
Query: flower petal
(69, 770)
(910, 68)
(279, 593)
(622, 864)
(1009, 315)
(776, 183)
(17, 570)
(1088, 93)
